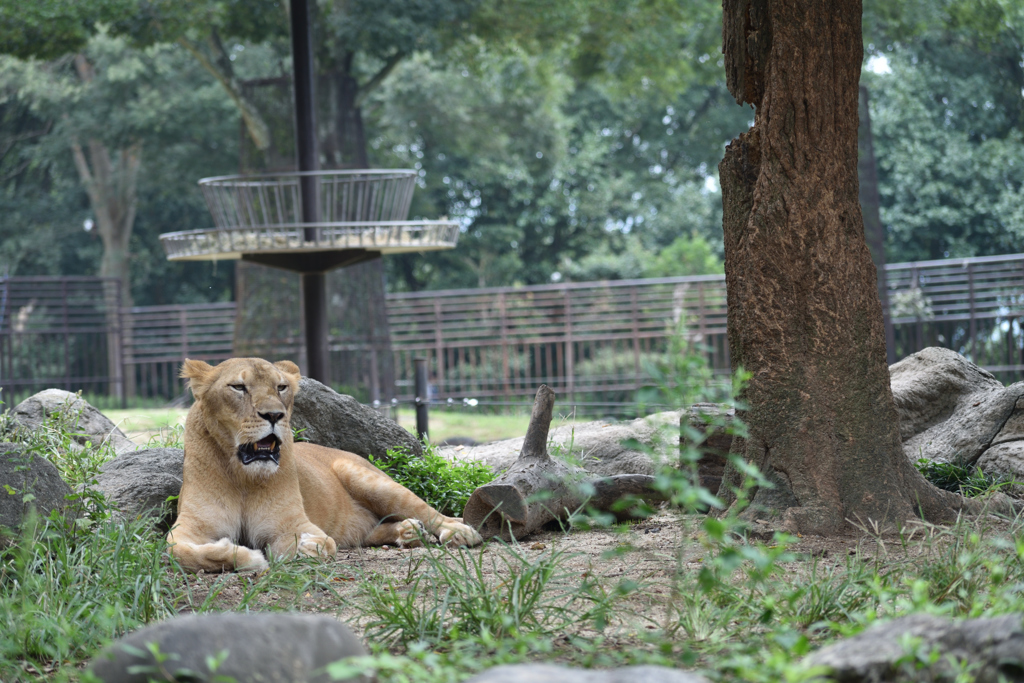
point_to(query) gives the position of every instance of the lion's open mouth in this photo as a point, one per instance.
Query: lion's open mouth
(267, 448)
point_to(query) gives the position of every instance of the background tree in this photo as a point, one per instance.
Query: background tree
(948, 113)
(804, 316)
(91, 163)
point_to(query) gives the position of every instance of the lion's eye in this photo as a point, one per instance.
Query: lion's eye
(281, 388)
(238, 387)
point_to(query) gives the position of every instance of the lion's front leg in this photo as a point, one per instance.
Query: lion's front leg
(196, 554)
(307, 539)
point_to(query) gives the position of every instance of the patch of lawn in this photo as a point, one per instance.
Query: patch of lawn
(482, 428)
(142, 424)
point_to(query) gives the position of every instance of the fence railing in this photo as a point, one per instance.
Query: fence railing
(60, 332)
(158, 338)
(591, 341)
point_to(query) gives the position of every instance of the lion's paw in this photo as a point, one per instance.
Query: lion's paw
(411, 533)
(244, 559)
(313, 545)
(457, 533)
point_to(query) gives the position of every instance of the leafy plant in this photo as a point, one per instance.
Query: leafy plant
(445, 484)
(56, 439)
(454, 593)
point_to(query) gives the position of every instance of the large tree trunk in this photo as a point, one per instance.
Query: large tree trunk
(110, 181)
(345, 145)
(804, 314)
(870, 205)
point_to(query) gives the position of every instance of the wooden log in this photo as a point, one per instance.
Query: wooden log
(538, 489)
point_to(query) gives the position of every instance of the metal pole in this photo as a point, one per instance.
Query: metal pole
(314, 285)
(422, 397)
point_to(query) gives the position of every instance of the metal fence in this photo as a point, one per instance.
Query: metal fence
(591, 341)
(158, 338)
(973, 305)
(60, 332)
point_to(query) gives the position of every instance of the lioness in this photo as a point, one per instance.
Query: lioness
(247, 486)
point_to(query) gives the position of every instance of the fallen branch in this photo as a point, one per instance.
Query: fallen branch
(538, 489)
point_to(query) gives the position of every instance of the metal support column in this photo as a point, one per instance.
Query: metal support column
(422, 398)
(314, 285)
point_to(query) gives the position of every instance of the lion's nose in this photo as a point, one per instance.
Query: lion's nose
(272, 418)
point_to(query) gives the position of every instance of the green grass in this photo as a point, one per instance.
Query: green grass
(960, 478)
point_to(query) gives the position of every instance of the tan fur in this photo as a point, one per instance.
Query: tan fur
(314, 500)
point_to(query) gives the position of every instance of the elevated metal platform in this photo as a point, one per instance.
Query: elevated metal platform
(259, 218)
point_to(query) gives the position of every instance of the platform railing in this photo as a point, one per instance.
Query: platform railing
(386, 237)
(258, 201)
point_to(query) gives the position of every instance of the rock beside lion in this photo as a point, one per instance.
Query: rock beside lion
(28, 480)
(139, 483)
(85, 423)
(597, 446)
(991, 649)
(257, 647)
(951, 410)
(328, 418)
(550, 673)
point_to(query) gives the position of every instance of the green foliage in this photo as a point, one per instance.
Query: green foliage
(445, 484)
(155, 97)
(48, 29)
(686, 256)
(947, 124)
(566, 181)
(959, 477)
(65, 592)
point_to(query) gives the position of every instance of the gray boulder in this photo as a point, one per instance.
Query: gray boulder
(261, 648)
(550, 673)
(993, 648)
(951, 410)
(138, 483)
(597, 446)
(85, 422)
(328, 418)
(30, 475)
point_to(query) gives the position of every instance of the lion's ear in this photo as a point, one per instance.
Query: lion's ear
(289, 368)
(197, 373)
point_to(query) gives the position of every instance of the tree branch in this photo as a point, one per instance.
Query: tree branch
(378, 77)
(258, 129)
(9, 142)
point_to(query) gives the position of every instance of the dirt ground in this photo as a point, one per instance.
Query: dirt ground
(647, 553)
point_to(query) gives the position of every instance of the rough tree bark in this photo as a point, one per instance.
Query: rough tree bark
(538, 489)
(870, 205)
(804, 314)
